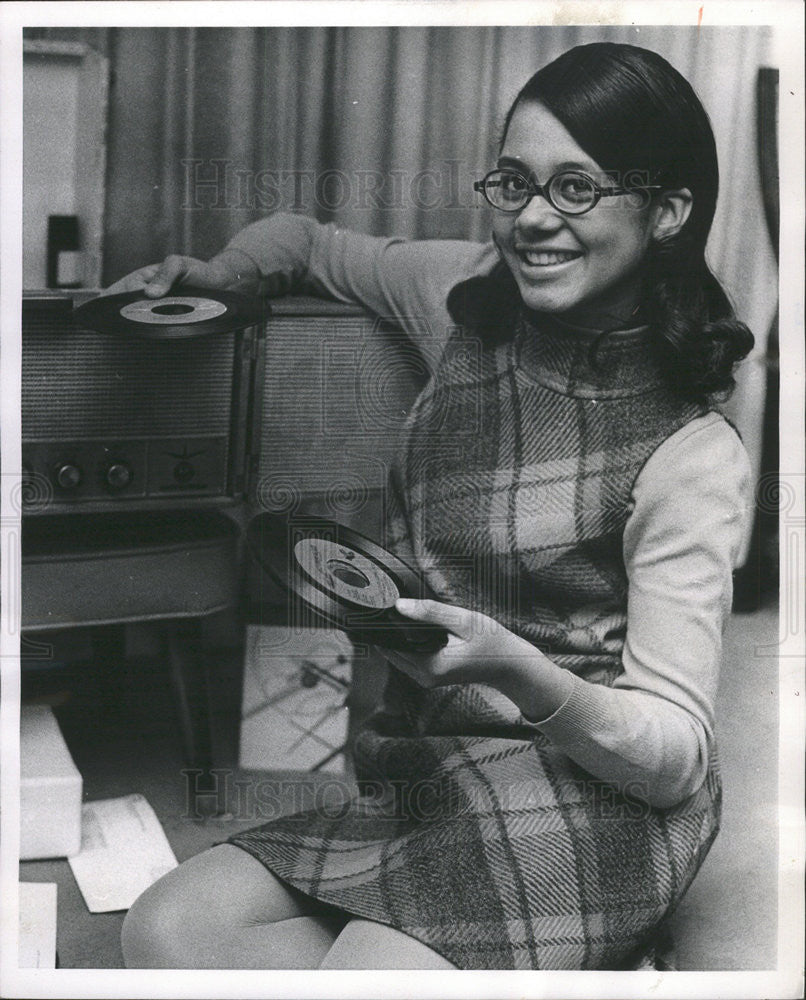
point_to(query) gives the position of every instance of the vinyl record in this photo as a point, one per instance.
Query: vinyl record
(189, 312)
(344, 579)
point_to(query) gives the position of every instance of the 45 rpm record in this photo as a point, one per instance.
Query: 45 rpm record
(344, 578)
(189, 312)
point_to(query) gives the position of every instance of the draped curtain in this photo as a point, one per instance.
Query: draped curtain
(384, 129)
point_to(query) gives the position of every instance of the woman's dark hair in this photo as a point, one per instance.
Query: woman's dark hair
(636, 116)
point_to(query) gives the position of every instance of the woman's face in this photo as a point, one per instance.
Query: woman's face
(583, 267)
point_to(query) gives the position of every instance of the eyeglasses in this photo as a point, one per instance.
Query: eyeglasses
(569, 191)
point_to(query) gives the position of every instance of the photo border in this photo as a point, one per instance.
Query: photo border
(786, 17)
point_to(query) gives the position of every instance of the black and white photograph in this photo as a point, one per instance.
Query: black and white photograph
(402, 499)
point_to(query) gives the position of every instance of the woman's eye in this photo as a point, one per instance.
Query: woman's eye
(513, 184)
(575, 188)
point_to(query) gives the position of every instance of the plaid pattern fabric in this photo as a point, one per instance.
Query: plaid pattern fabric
(473, 833)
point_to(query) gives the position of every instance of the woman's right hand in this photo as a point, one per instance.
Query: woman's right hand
(229, 269)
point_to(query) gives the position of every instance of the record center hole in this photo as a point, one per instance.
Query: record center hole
(173, 309)
(347, 574)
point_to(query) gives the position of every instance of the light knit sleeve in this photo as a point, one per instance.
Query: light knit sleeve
(406, 281)
(650, 733)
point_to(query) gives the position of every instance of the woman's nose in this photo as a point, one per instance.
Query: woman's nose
(540, 214)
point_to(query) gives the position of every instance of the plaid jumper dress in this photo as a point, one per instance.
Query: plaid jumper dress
(473, 833)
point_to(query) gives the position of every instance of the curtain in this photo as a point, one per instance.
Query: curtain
(384, 129)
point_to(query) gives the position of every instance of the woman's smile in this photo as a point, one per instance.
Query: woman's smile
(545, 259)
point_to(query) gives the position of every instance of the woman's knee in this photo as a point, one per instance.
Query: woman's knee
(181, 917)
(153, 928)
(365, 944)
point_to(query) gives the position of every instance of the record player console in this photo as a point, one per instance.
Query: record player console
(120, 421)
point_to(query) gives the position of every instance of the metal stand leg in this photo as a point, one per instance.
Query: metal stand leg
(108, 674)
(189, 681)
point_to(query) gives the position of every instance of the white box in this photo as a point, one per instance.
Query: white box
(294, 713)
(50, 789)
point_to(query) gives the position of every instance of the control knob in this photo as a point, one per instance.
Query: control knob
(184, 471)
(118, 476)
(68, 476)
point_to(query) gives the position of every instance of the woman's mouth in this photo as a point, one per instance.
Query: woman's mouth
(547, 258)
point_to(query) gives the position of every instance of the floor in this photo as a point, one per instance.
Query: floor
(119, 725)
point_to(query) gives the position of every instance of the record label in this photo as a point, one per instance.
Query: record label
(346, 573)
(173, 309)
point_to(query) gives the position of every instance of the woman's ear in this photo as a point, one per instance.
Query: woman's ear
(671, 213)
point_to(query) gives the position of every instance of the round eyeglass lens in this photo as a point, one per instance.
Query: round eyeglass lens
(506, 190)
(572, 192)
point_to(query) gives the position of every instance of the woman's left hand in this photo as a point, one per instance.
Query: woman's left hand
(479, 650)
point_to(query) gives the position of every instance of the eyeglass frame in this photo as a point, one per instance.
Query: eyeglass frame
(542, 190)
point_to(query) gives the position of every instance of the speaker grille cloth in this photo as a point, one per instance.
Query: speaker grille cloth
(80, 384)
(334, 400)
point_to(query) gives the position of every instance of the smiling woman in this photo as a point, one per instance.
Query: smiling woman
(585, 265)
(541, 791)
(641, 255)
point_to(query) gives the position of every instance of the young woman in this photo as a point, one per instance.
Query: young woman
(540, 793)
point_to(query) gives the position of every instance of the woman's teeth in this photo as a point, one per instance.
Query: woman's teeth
(546, 257)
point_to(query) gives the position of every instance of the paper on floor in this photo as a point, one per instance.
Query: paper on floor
(37, 925)
(123, 851)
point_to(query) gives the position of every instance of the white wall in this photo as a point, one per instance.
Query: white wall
(64, 124)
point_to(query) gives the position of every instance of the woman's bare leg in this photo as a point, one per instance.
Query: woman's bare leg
(223, 910)
(364, 944)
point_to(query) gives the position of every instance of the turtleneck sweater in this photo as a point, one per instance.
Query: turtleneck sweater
(646, 722)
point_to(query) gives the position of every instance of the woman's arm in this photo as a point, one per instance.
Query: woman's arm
(654, 726)
(285, 253)
(406, 281)
(650, 732)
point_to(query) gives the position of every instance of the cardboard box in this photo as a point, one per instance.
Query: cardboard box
(50, 789)
(294, 708)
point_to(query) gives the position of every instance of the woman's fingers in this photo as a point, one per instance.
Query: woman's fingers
(461, 621)
(172, 270)
(153, 279)
(156, 280)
